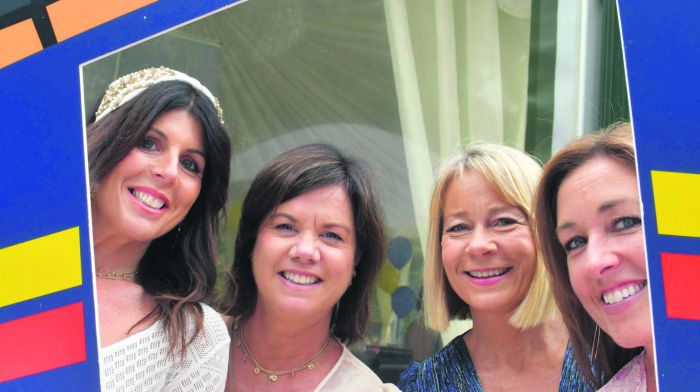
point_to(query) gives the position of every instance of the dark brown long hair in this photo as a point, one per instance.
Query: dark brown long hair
(615, 142)
(178, 269)
(291, 174)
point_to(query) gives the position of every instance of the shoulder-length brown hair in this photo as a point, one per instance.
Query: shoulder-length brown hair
(291, 174)
(615, 142)
(178, 269)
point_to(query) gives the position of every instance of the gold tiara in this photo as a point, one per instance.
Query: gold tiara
(131, 85)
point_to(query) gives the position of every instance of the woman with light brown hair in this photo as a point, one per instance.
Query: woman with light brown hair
(589, 228)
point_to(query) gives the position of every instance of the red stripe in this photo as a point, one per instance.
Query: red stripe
(681, 275)
(42, 342)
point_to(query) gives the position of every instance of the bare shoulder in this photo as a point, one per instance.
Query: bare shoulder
(122, 310)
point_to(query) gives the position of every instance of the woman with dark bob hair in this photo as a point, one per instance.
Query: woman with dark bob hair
(309, 247)
(159, 167)
(590, 230)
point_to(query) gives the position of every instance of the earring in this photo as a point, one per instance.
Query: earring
(354, 273)
(595, 343)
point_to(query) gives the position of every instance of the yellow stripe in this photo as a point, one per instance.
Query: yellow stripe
(677, 203)
(41, 266)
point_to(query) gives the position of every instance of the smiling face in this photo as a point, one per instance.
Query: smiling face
(487, 249)
(151, 190)
(599, 226)
(304, 254)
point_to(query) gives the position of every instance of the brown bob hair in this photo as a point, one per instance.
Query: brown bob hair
(614, 142)
(291, 174)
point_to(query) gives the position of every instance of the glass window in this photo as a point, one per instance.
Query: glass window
(400, 85)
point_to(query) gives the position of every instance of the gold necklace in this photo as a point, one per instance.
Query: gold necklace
(117, 275)
(273, 375)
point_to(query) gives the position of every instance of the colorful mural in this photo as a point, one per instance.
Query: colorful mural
(46, 289)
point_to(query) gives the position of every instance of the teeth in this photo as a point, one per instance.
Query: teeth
(304, 280)
(488, 274)
(618, 295)
(148, 200)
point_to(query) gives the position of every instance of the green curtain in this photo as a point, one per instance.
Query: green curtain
(540, 92)
(614, 104)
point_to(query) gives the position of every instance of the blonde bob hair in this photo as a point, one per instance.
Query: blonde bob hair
(513, 174)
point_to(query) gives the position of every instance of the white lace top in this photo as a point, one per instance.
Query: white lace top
(350, 374)
(141, 361)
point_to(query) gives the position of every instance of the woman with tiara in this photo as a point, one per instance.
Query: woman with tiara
(159, 166)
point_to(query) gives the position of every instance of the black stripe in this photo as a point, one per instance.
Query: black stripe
(36, 11)
(42, 23)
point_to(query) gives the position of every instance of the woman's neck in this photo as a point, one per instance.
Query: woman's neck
(494, 340)
(117, 254)
(649, 367)
(278, 343)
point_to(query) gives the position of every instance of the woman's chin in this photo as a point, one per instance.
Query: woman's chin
(629, 326)
(300, 308)
(631, 337)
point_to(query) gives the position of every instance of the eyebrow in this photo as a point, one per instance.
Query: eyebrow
(282, 215)
(508, 208)
(327, 225)
(163, 135)
(608, 205)
(565, 226)
(339, 226)
(495, 210)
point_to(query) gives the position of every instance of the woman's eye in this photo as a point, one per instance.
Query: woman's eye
(148, 144)
(574, 244)
(458, 228)
(284, 227)
(504, 222)
(625, 223)
(333, 236)
(190, 165)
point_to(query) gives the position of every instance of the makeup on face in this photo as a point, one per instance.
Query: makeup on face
(600, 228)
(487, 249)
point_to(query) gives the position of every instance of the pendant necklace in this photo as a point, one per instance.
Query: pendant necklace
(273, 375)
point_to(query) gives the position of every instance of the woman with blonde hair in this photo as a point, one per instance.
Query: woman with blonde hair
(590, 230)
(482, 264)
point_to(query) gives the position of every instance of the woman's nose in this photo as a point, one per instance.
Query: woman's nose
(166, 167)
(481, 242)
(305, 249)
(600, 256)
